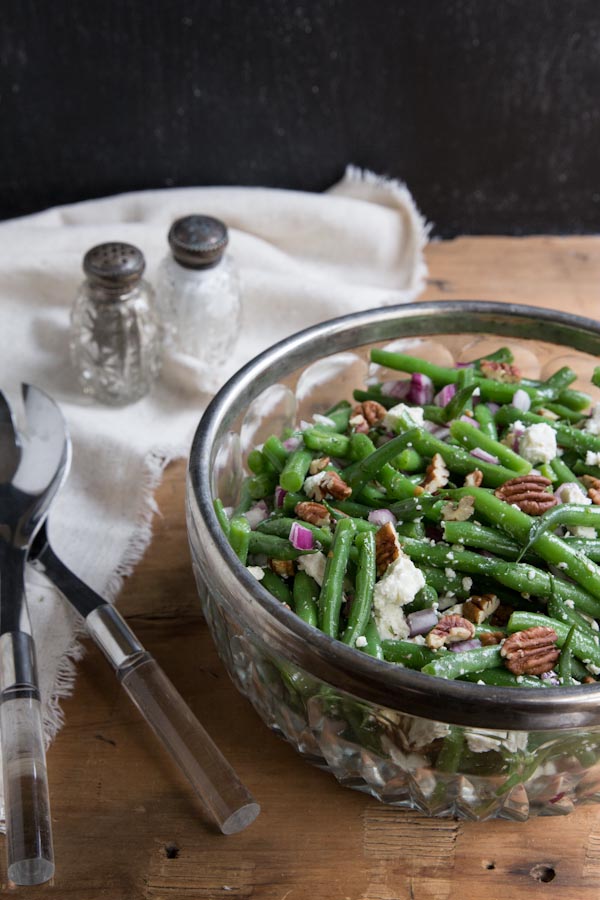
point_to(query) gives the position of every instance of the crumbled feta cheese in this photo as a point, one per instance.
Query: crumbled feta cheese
(314, 487)
(257, 572)
(562, 565)
(361, 641)
(450, 573)
(394, 418)
(467, 583)
(422, 732)
(583, 531)
(592, 459)
(400, 584)
(572, 493)
(488, 739)
(480, 681)
(595, 670)
(314, 565)
(592, 425)
(537, 444)
(456, 610)
(531, 574)
(450, 555)
(570, 603)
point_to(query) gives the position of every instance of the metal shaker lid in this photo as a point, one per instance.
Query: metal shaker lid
(114, 265)
(198, 242)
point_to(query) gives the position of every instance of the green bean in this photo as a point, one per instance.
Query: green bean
(281, 526)
(295, 470)
(409, 461)
(458, 460)
(349, 508)
(563, 473)
(276, 586)
(487, 425)
(425, 599)
(564, 514)
(360, 610)
(413, 507)
(273, 546)
(373, 646)
(501, 677)
(257, 463)
(435, 414)
(413, 656)
(330, 599)
(591, 548)
(566, 436)
(461, 401)
(261, 486)
(358, 474)
(275, 452)
(439, 581)
(411, 529)
(440, 375)
(470, 436)
(483, 538)
(374, 394)
(245, 500)
(596, 377)
(397, 485)
(584, 648)
(239, 537)
(580, 468)
(305, 595)
(340, 415)
(564, 662)
(453, 665)
(558, 609)
(291, 501)
(361, 446)
(550, 547)
(562, 411)
(562, 378)
(329, 442)
(577, 400)
(448, 759)
(502, 354)
(221, 516)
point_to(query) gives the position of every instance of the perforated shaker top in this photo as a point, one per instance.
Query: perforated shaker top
(114, 265)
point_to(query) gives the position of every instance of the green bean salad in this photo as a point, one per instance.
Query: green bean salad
(445, 521)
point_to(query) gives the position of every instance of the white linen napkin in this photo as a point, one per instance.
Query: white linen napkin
(303, 258)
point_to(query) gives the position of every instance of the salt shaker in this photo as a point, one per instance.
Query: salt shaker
(115, 331)
(198, 292)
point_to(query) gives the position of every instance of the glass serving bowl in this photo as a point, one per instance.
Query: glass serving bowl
(380, 728)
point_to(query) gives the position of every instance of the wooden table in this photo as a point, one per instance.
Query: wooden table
(125, 824)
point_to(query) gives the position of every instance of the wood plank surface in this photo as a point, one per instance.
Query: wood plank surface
(125, 823)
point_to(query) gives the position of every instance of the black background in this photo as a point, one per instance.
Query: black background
(490, 111)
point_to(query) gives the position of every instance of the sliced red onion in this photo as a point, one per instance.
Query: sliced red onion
(279, 495)
(257, 514)
(493, 407)
(421, 389)
(445, 395)
(439, 431)
(521, 400)
(381, 516)
(517, 432)
(459, 646)
(301, 538)
(550, 677)
(292, 443)
(323, 420)
(397, 389)
(463, 365)
(421, 621)
(470, 421)
(484, 456)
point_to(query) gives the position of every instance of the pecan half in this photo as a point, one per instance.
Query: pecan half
(282, 567)
(336, 486)
(529, 493)
(500, 371)
(593, 488)
(489, 638)
(314, 513)
(387, 547)
(458, 512)
(436, 475)
(449, 630)
(531, 652)
(317, 465)
(372, 412)
(478, 608)
(474, 478)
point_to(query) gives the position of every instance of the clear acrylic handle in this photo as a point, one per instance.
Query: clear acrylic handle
(227, 800)
(27, 804)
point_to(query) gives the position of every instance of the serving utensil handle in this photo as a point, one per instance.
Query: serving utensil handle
(27, 804)
(229, 803)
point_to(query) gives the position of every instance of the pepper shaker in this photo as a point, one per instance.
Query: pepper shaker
(115, 330)
(198, 292)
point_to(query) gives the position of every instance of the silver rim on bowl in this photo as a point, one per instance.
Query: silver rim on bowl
(391, 686)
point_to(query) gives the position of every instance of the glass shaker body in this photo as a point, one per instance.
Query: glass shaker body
(200, 309)
(115, 332)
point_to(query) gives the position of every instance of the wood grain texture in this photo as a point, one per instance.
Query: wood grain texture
(125, 824)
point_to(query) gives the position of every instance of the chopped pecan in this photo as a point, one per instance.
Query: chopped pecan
(436, 475)
(282, 567)
(359, 424)
(372, 412)
(489, 638)
(458, 512)
(336, 486)
(500, 371)
(529, 493)
(474, 478)
(387, 547)
(449, 630)
(317, 465)
(547, 413)
(530, 652)
(593, 488)
(589, 679)
(478, 608)
(315, 513)
(501, 615)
